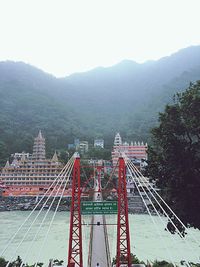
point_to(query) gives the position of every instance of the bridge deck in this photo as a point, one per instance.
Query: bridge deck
(99, 245)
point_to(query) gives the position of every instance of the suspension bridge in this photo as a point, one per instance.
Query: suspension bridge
(97, 208)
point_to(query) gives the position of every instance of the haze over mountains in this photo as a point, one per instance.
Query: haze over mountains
(125, 97)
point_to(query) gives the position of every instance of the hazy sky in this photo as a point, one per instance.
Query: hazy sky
(66, 36)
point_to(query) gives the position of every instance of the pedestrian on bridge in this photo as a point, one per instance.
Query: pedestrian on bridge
(97, 265)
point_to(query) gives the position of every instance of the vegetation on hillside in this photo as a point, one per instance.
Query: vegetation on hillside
(98, 153)
(96, 104)
(174, 159)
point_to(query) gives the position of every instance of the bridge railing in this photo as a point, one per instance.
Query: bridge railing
(106, 242)
(90, 242)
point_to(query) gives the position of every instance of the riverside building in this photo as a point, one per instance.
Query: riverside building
(99, 143)
(136, 152)
(30, 174)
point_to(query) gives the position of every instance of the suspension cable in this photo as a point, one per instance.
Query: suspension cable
(58, 180)
(45, 194)
(164, 212)
(180, 234)
(160, 218)
(41, 224)
(52, 219)
(196, 241)
(156, 227)
(111, 176)
(87, 179)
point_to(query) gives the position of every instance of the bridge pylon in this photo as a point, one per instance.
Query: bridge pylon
(123, 235)
(75, 235)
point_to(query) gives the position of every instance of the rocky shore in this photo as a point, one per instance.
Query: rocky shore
(29, 203)
(136, 206)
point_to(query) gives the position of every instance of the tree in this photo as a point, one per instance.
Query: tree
(3, 262)
(98, 153)
(57, 262)
(174, 158)
(3, 153)
(134, 260)
(16, 263)
(162, 264)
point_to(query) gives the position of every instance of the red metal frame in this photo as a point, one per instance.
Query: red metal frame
(86, 183)
(75, 235)
(99, 177)
(123, 236)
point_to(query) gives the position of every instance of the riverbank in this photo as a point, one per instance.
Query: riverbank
(29, 203)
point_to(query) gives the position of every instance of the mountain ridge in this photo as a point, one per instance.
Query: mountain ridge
(125, 97)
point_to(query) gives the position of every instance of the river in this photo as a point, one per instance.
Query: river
(147, 241)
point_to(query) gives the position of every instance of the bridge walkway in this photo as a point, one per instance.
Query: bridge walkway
(99, 247)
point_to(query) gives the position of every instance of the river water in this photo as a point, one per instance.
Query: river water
(149, 241)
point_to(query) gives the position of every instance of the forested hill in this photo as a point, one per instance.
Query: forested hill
(125, 98)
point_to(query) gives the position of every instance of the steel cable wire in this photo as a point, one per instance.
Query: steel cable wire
(58, 180)
(13, 237)
(157, 211)
(44, 218)
(52, 219)
(185, 227)
(165, 213)
(157, 230)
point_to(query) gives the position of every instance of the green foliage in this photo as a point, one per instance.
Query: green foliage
(98, 153)
(162, 264)
(134, 260)
(194, 264)
(3, 152)
(64, 156)
(99, 103)
(3, 262)
(16, 263)
(57, 262)
(174, 159)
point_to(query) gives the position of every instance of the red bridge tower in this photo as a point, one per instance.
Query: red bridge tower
(123, 236)
(75, 257)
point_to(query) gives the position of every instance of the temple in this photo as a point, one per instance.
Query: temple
(30, 175)
(39, 148)
(134, 151)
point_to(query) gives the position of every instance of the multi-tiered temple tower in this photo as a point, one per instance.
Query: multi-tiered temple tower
(30, 175)
(118, 140)
(39, 148)
(134, 151)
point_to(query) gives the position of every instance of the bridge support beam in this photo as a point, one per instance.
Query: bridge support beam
(75, 256)
(99, 177)
(123, 236)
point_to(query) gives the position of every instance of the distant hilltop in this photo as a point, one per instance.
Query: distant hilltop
(125, 97)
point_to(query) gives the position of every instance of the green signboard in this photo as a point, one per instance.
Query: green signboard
(98, 207)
